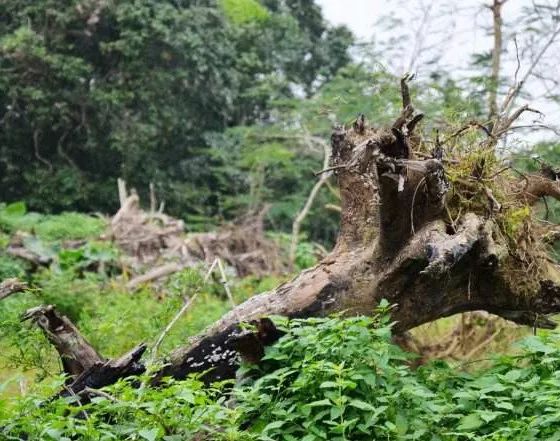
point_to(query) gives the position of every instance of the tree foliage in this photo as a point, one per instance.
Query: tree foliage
(92, 91)
(326, 379)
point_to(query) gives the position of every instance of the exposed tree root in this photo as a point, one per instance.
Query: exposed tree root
(432, 240)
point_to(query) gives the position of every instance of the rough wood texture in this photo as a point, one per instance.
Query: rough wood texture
(85, 367)
(102, 374)
(393, 244)
(76, 353)
(11, 286)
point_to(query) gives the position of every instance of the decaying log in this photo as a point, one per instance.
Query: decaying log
(108, 372)
(84, 366)
(29, 256)
(75, 352)
(393, 244)
(154, 274)
(11, 286)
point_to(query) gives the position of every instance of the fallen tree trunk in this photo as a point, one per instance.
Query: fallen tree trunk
(85, 367)
(397, 242)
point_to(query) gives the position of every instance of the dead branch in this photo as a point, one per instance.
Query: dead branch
(83, 364)
(516, 89)
(536, 187)
(11, 286)
(23, 253)
(76, 353)
(154, 274)
(504, 124)
(105, 373)
(188, 302)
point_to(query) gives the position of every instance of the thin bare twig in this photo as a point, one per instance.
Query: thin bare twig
(184, 308)
(517, 89)
(99, 393)
(307, 206)
(483, 344)
(470, 125)
(413, 202)
(224, 282)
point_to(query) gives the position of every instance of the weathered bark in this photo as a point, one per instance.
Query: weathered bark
(537, 186)
(11, 286)
(80, 361)
(75, 352)
(393, 244)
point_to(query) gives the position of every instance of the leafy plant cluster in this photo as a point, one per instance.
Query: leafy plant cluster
(326, 379)
(44, 234)
(342, 379)
(67, 226)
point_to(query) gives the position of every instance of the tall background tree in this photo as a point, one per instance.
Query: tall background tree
(95, 90)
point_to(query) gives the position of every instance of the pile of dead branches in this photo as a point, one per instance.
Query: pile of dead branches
(242, 245)
(156, 245)
(146, 237)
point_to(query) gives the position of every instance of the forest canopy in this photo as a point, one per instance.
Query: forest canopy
(94, 90)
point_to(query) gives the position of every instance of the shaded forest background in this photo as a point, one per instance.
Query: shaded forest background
(211, 102)
(167, 93)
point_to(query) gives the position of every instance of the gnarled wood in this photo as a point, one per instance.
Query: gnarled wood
(76, 353)
(83, 364)
(394, 244)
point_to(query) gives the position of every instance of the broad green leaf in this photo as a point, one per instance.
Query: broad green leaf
(149, 434)
(470, 422)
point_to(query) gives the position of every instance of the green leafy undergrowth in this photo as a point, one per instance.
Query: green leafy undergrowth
(327, 379)
(334, 379)
(176, 411)
(65, 226)
(10, 267)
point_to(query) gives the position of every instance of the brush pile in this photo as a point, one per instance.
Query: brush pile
(156, 245)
